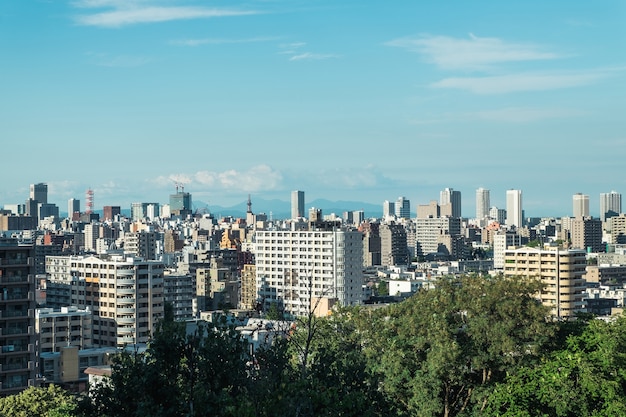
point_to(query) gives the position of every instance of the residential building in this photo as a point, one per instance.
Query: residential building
(125, 294)
(502, 240)
(295, 267)
(581, 205)
(586, 234)
(514, 216)
(429, 232)
(67, 326)
(393, 245)
(17, 317)
(562, 272)
(482, 203)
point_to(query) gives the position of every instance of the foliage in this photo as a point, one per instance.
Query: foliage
(50, 401)
(441, 351)
(585, 378)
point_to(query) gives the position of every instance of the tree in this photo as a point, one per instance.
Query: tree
(441, 351)
(586, 377)
(50, 401)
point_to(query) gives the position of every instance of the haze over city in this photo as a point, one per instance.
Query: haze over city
(360, 101)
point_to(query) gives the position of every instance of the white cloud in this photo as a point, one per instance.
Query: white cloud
(471, 53)
(520, 82)
(217, 41)
(257, 178)
(122, 15)
(311, 57)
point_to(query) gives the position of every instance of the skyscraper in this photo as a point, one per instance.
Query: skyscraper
(297, 204)
(403, 208)
(73, 206)
(581, 205)
(452, 197)
(514, 208)
(610, 205)
(389, 208)
(39, 193)
(482, 203)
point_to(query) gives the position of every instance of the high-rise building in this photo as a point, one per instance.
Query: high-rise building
(482, 203)
(18, 365)
(109, 212)
(389, 209)
(297, 204)
(562, 272)
(125, 294)
(333, 269)
(180, 204)
(402, 208)
(610, 205)
(39, 193)
(586, 234)
(452, 197)
(73, 206)
(514, 208)
(393, 245)
(580, 205)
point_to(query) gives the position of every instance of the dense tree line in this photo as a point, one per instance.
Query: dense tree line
(473, 346)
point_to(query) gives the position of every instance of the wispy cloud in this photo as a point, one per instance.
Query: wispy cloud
(473, 53)
(297, 54)
(309, 56)
(520, 82)
(123, 13)
(257, 178)
(218, 41)
(505, 115)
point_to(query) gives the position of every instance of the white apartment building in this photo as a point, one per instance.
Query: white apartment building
(294, 268)
(124, 294)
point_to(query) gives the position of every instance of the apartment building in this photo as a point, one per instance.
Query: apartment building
(17, 317)
(561, 271)
(293, 268)
(68, 326)
(125, 294)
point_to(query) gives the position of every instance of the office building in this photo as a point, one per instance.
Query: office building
(17, 317)
(297, 204)
(580, 205)
(561, 271)
(39, 193)
(73, 209)
(482, 203)
(514, 208)
(109, 212)
(180, 205)
(294, 268)
(610, 205)
(452, 197)
(430, 233)
(402, 208)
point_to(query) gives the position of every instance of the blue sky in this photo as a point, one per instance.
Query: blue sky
(346, 100)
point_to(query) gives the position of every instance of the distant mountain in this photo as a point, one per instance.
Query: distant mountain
(282, 209)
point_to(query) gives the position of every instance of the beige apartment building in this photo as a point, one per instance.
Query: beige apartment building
(562, 272)
(124, 294)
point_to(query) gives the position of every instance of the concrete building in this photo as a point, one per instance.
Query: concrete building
(179, 291)
(295, 267)
(73, 209)
(17, 317)
(125, 294)
(393, 245)
(39, 193)
(180, 205)
(389, 209)
(452, 197)
(497, 214)
(297, 204)
(580, 205)
(610, 205)
(482, 203)
(143, 244)
(586, 234)
(617, 226)
(561, 271)
(514, 216)
(429, 232)
(64, 327)
(109, 212)
(502, 240)
(248, 294)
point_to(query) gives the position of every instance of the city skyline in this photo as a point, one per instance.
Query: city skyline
(357, 101)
